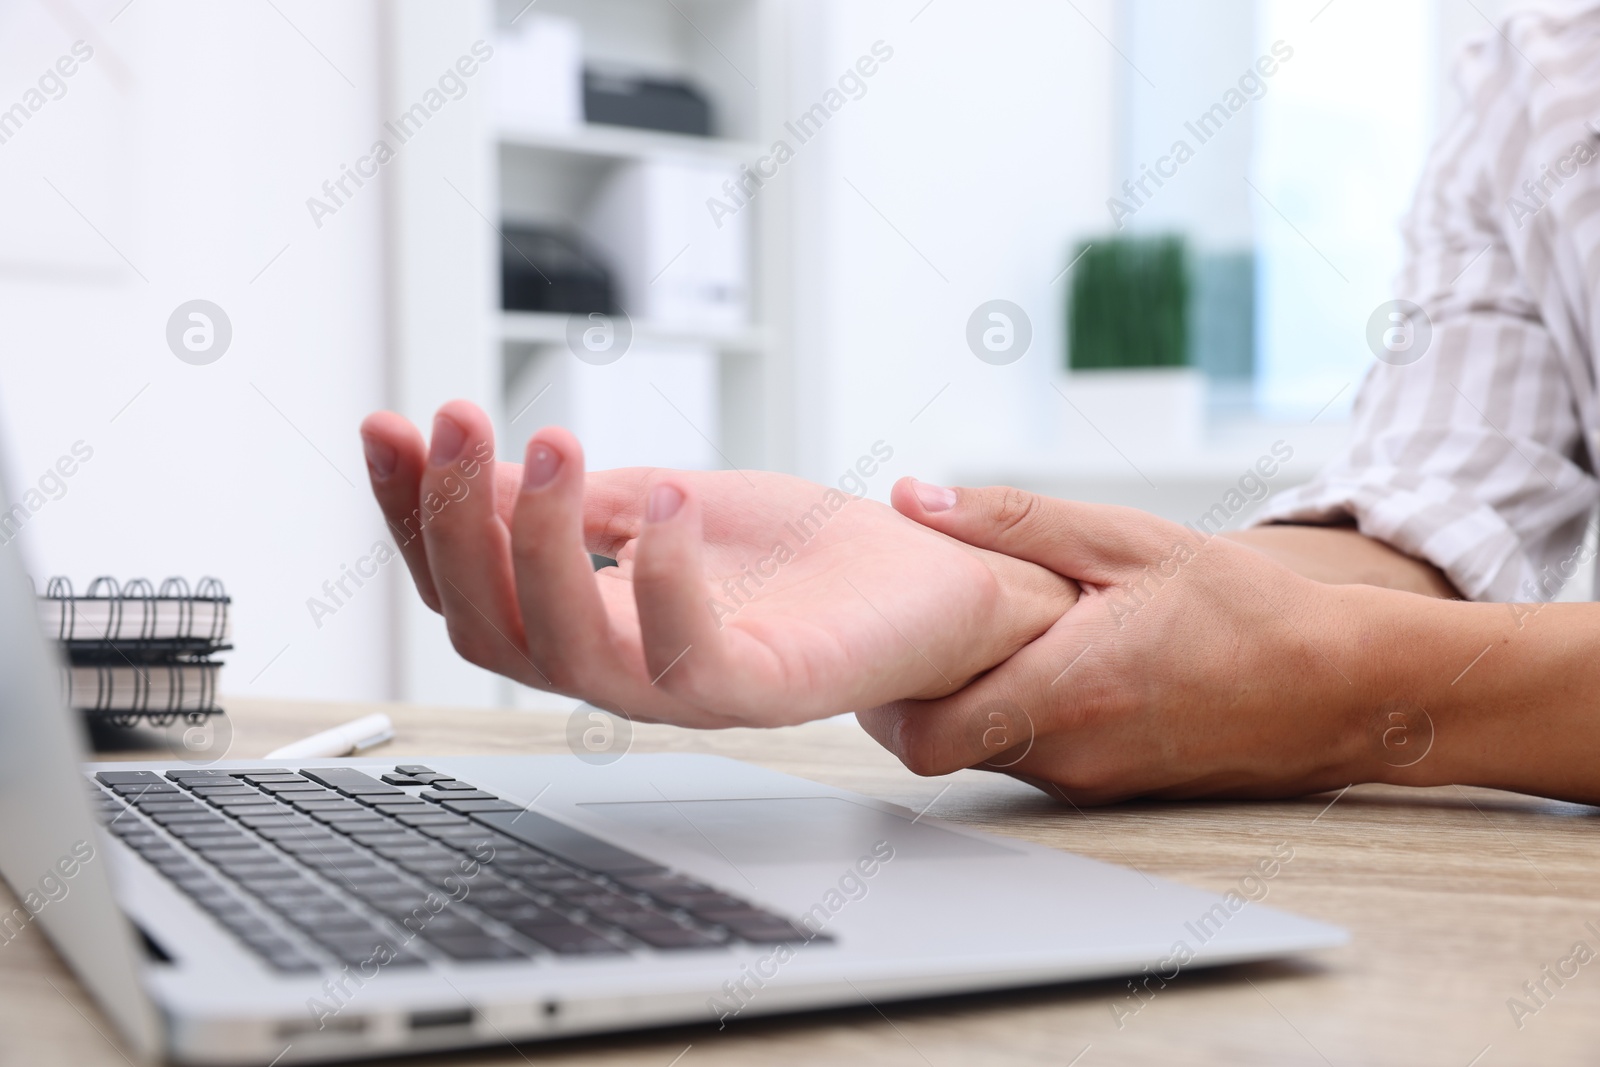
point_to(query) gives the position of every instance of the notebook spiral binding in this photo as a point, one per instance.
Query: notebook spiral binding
(136, 651)
(128, 693)
(142, 623)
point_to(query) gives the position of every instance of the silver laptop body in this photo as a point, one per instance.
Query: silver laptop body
(887, 904)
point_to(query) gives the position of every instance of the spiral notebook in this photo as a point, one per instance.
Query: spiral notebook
(137, 650)
(138, 616)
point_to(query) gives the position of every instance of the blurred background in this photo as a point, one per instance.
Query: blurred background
(1112, 249)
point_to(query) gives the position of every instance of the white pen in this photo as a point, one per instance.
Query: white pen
(352, 737)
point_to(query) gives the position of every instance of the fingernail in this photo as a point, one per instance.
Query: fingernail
(380, 456)
(665, 500)
(541, 468)
(448, 437)
(934, 497)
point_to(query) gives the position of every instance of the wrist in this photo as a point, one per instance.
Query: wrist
(1432, 667)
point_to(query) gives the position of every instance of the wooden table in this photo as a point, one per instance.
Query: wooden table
(1455, 899)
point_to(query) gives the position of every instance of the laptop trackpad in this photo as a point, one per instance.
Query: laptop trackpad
(790, 830)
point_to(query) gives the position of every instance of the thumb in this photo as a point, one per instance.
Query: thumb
(1096, 543)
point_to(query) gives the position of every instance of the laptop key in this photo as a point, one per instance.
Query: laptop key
(466, 792)
(310, 835)
(337, 854)
(567, 939)
(261, 876)
(247, 924)
(213, 839)
(147, 789)
(198, 776)
(321, 800)
(173, 806)
(270, 943)
(141, 843)
(454, 785)
(634, 920)
(293, 962)
(318, 921)
(431, 818)
(346, 812)
(349, 781)
(195, 816)
(475, 807)
(289, 785)
(760, 927)
(702, 903)
(530, 914)
(258, 871)
(274, 821)
(675, 937)
(566, 842)
(116, 778)
(228, 847)
(474, 947)
(245, 812)
(232, 798)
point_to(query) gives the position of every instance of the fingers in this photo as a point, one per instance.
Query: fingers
(468, 545)
(1027, 713)
(966, 729)
(396, 456)
(1000, 720)
(684, 649)
(1093, 542)
(565, 624)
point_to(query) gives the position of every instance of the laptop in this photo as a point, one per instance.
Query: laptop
(245, 912)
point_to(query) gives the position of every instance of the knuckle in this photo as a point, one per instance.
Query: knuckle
(1015, 509)
(463, 642)
(920, 751)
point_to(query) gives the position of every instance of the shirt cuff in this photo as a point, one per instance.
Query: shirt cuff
(1430, 519)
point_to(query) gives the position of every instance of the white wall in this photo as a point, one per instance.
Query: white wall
(191, 141)
(979, 152)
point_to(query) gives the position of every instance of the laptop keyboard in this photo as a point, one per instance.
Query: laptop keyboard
(316, 868)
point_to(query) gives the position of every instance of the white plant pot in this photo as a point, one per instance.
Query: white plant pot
(1151, 412)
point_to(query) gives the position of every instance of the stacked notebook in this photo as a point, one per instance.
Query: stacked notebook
(136, 652)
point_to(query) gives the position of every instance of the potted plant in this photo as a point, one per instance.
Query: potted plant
(1128, 343)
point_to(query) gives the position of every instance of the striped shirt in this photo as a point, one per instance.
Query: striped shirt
(1479, 456)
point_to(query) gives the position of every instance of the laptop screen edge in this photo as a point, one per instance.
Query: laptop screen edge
(50, 848)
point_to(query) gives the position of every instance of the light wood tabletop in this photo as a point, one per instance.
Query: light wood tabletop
(1455, 899)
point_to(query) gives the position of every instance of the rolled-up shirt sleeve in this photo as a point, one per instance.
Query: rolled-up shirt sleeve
(1476, 456)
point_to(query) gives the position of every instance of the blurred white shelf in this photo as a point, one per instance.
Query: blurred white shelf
(549, 328)
(1178, 485)
(1230, 445)
(622, 143)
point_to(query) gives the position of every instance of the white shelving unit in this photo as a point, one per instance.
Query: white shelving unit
(456, 188)
(734, 52)
(618, 143)
(539, 328)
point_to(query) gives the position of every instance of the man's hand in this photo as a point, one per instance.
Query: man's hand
(1188, 666)
(740, 598)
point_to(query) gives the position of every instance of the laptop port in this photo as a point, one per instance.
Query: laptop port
(432, 1020)
(353, 1024)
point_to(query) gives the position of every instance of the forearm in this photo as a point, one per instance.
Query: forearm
(1498, 695)
(1341, 555)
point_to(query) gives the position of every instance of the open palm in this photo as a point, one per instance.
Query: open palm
(740, 598)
